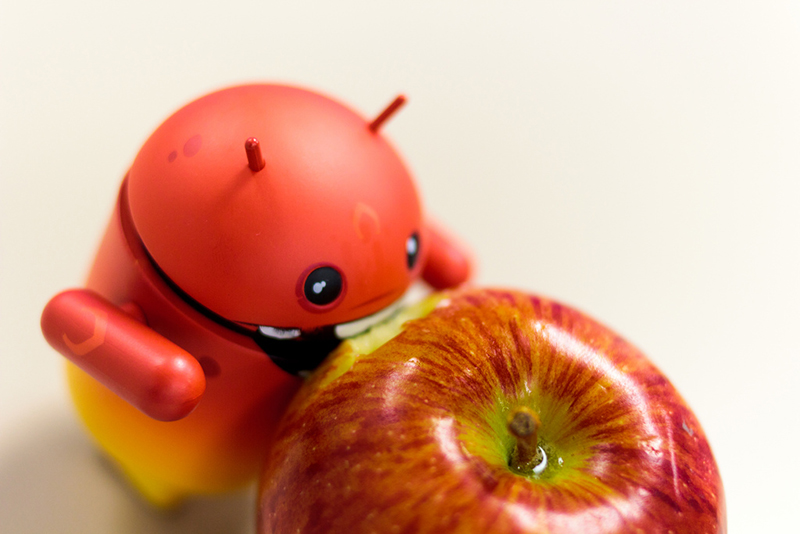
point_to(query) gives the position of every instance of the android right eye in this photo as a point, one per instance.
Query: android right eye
(323, 286)
(412, 250)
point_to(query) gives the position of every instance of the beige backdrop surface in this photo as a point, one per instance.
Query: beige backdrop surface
(639, 160)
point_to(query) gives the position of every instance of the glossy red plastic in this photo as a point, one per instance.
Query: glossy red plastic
(236, 241)
(141, 366)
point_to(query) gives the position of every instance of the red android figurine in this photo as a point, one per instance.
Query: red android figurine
(257, 227)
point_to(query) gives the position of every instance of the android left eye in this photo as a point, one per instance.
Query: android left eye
(323, 286)
(412, 250)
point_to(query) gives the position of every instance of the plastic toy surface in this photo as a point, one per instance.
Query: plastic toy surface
(257, 227)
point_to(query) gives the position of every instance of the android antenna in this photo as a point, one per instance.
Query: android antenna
(386, 113)
(254, 158)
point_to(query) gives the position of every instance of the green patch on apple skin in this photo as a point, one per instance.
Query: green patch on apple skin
(343, 358)
(492, 441)
(568, 455)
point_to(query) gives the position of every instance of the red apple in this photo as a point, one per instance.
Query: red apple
(414, 436)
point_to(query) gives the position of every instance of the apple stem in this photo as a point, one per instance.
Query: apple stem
(523, 424)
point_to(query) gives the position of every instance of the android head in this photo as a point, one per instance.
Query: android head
(277, 209)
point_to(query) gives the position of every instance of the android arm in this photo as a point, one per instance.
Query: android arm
(449, 264)
(138, 364)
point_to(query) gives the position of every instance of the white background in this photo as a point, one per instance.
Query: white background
(639, 160)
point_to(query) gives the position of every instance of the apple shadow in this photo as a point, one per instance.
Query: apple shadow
(53, 479)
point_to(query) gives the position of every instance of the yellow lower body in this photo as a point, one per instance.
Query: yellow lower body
(204, 453)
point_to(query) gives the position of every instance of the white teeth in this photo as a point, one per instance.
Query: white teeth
(353, 328)
(279, 333)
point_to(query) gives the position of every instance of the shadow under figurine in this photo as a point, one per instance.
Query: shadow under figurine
(257, 227)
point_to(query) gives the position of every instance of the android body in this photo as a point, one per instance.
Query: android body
(218, 446)
(256, 226)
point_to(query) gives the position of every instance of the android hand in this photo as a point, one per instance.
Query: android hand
(448, 264)
(144, 368)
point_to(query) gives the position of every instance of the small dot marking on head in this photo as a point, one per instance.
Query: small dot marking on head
(192, 146)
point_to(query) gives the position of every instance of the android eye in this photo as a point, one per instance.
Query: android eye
(322, 286)
(412, 250)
